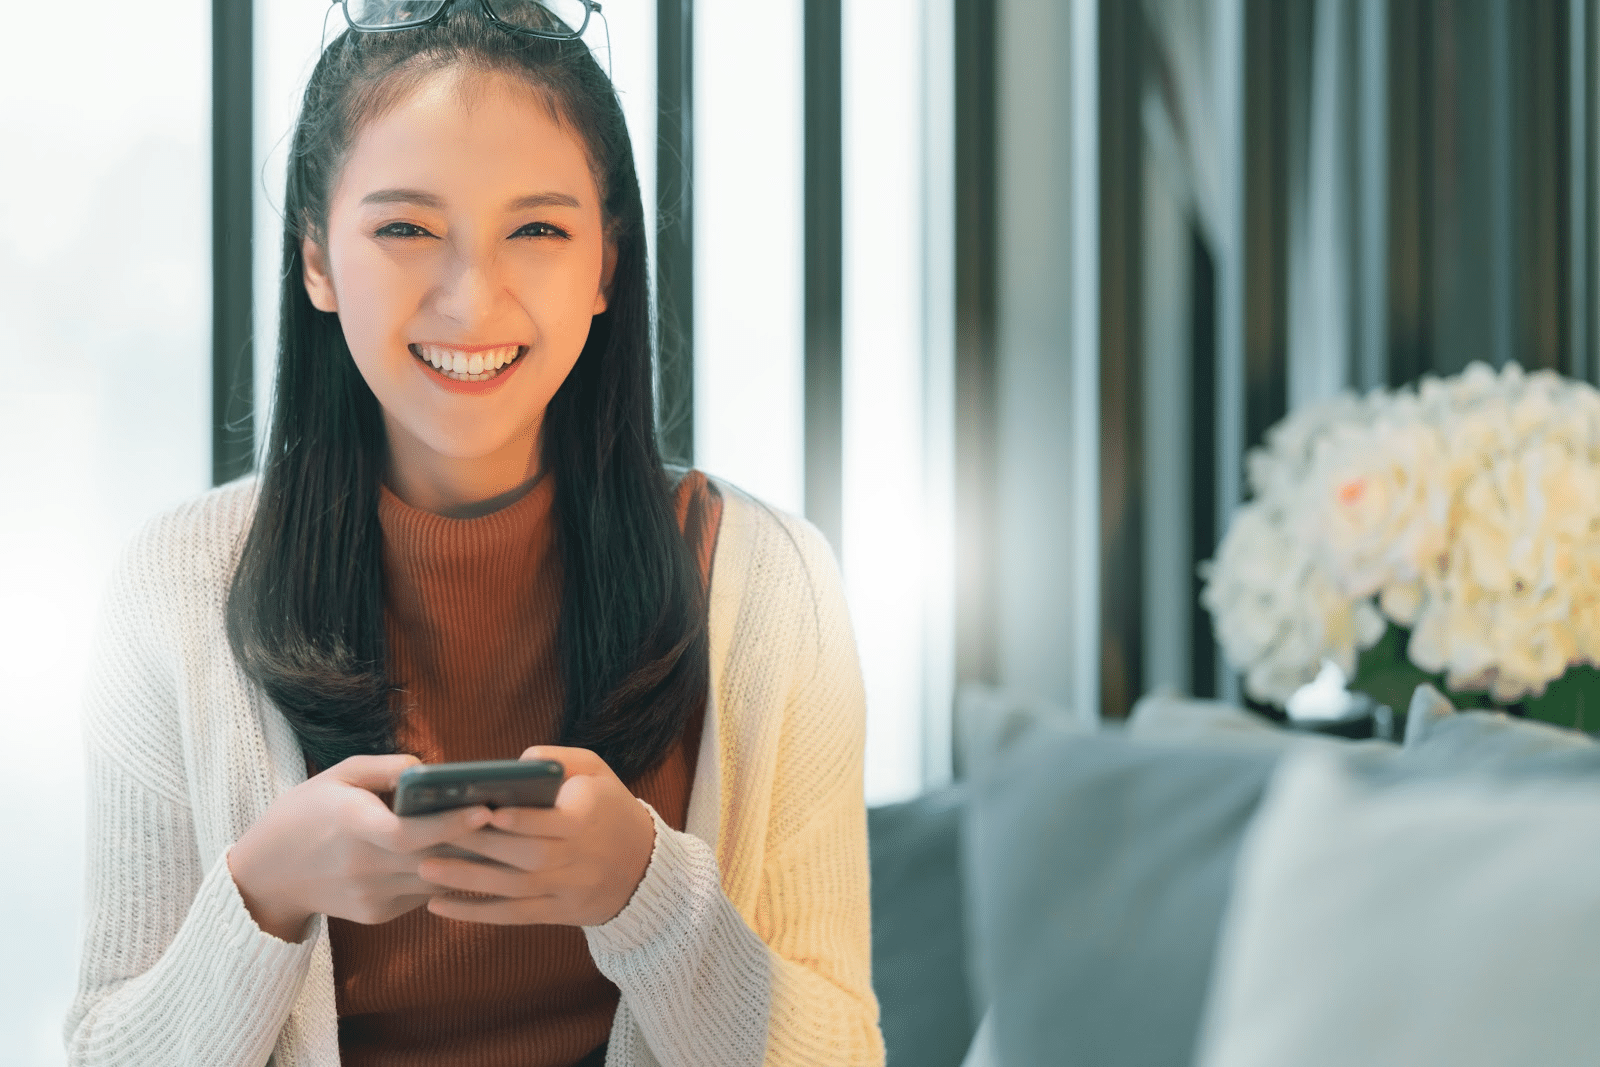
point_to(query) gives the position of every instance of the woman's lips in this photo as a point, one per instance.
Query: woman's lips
(496, 365)
(476, 364)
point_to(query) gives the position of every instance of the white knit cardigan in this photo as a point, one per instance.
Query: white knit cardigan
(746, 943)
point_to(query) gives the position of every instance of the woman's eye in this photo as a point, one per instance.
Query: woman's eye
(540, 229)
(401, 229)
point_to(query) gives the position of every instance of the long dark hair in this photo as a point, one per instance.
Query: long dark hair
(305, 611)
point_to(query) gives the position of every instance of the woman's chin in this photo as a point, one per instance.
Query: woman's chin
(436, 452)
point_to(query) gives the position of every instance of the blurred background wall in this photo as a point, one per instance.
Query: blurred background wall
(1315, 196)
(997, 292)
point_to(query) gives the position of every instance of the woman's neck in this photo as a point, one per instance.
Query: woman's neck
(460, 488)
(493, 504)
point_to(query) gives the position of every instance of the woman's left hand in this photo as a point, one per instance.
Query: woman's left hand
(576, 864)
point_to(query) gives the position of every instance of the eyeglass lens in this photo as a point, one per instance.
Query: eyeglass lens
(383, 14)
(549, 17)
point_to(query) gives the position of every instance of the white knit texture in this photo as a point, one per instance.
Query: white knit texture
(748, 941)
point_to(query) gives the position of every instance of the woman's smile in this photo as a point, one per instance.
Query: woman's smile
(474, 364)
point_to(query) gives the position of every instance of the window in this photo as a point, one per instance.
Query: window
(104, 417)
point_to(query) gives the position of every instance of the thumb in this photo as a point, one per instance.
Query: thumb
(573, 760)
(376, 773)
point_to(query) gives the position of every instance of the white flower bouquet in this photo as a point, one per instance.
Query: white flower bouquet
(1448, 533)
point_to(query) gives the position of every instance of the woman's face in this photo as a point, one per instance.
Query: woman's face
(465, 255)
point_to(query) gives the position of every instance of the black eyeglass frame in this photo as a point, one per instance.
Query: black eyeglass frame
(589, 9)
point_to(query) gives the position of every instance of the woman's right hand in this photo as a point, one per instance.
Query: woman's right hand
(330, 845)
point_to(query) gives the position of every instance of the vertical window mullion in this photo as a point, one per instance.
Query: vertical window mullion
(675, 226)
(232, 164)
(976, 321)
(824, 268)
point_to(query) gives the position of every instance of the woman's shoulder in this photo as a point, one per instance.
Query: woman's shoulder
(772, 543)
(773, 572)
(780, 626)
(160, 616)
(190, 547)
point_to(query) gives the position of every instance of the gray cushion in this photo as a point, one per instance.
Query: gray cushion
(1441, 741)
(1437, 922)
(918, 931)
(1099, 868)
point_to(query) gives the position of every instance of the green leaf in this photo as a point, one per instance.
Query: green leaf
(1572, 700)
(1387, 675)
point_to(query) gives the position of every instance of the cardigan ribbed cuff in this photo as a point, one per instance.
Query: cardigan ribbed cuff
(266, 968)
(678, 889)
(220, 994)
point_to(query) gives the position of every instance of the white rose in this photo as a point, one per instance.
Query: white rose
(1537, 645)
(1377, 502)
(1243, 583)
(1450, 639)
(1585, 609)
(1526, 520)
(1503, 613)
(1277, 614)
(1277, 471)
(1470, 507)
(1444, 400)
(1402, 601)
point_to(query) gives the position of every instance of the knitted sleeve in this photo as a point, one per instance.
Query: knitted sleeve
(174, 971)
(792, 985)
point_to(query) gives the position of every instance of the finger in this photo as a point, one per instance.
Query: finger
(371, 913)
(465, 876)
(513, 850)
(410, 886)
(448, 851)
(552, 823)
(573, 760)
(521, 912)
(375, 773)
(417, 833)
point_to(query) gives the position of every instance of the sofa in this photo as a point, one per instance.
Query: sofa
(1201, 887)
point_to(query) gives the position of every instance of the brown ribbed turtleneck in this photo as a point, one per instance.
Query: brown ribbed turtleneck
(471, 611)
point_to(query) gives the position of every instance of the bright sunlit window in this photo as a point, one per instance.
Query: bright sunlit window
(104, 418)
(748, 335)
(897, 375)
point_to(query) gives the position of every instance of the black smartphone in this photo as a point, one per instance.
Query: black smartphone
(499, 783)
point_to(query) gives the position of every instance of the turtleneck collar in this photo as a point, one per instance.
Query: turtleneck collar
(437, 567)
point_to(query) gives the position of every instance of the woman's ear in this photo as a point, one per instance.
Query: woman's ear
(319, 283)
(608, 274)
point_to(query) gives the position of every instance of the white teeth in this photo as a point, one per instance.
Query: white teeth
(476, 366)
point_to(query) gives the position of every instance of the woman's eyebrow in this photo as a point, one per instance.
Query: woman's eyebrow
(403, 196)
(422, 199)
(523, 203)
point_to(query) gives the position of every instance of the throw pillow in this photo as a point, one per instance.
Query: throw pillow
(1098, 869)
(919, 941)
(1426, 923)
(1442, 741)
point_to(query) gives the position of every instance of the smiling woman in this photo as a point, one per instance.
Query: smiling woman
(438, 256)
(463, 546)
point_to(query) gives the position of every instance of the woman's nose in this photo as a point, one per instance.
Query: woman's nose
(468, 294)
